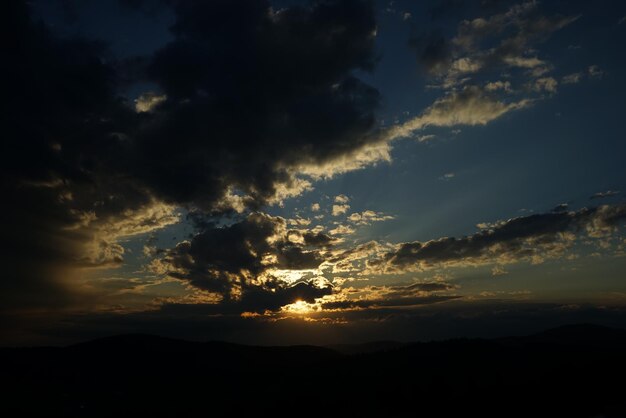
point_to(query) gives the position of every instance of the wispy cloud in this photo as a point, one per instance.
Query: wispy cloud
(573, 78)
(486, 44)
(367, 217)
(600, 195)
(471, 106)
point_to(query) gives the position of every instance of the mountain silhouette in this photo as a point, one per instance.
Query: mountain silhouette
(571, 371)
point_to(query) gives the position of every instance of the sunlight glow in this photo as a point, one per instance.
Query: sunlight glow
(299, 307)
(292, 276)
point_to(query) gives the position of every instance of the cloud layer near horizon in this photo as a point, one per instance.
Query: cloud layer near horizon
(531, 238)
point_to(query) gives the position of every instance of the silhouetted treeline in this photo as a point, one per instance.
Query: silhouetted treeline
(574, 371)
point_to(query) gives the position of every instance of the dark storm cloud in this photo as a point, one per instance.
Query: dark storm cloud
(295, 258)
(212, 255)
(231, 261)
(318, 239)
(512, 240)
(59, 127)
(314, 239)
(252, 94)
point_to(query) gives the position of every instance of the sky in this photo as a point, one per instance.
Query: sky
(287, 172)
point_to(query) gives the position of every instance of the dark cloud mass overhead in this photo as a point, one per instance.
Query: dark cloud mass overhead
(248, 94)
(254, 92)
(63, 125)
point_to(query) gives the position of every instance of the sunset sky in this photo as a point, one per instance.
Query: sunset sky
(280, 172)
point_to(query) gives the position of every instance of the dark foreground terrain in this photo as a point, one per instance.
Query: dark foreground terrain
(573, 371)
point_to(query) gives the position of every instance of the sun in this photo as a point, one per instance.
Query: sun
(298, 307)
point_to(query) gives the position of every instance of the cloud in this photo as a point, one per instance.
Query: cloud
(498, 85)
(239, 262)
(84, 165)
(367, 217)
(342, 199)
(298, 221)
(487, 44)
(594, 71)
(342, 230)
(315, 207)
(573, 78)
(148, 101)
(447, 176)
(379, 303)
(354, 260)
(534, 238)
(431, 286)
(600, 195)
(498, 271)
(375, 297)
(340, 209)
(315, 238)
(470, 106)
(63, 127)
(86, 168)
(375, 150)
(147, 218)
(270, 109)
(484, 47)
(257, 299)
(425, 138)
(547, 84)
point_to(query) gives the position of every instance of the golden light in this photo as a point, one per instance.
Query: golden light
(299, 307)
(292, 276)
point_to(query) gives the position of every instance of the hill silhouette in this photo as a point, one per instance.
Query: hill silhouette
(572, 371)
